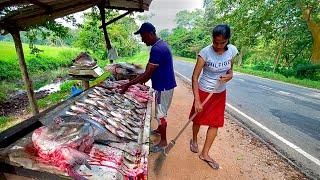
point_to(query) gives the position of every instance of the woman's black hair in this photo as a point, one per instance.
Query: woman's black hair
(222, 30)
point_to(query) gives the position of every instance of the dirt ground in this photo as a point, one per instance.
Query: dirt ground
(17, 104)
(240, 155)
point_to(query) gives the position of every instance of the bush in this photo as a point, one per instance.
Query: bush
(263, 66)
(309, 71)
(286, 71)
(9, 70)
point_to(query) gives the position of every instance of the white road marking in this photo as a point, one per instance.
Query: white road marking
(184, 77)
(283, 92)
(240, 79)
(274, 134)
(265, 87)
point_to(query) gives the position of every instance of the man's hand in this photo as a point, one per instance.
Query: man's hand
(123, 88)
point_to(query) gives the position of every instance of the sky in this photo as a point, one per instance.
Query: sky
(164, 12)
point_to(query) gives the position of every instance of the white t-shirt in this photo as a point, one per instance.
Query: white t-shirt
(215, 66)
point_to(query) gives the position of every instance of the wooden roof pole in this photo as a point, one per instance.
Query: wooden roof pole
(104, 27)
(117, 18)
(24, 71)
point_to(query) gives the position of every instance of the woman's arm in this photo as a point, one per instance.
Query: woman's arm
(195, 84)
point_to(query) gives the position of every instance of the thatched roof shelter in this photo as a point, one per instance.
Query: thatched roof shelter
(19, 15)
(28, 13)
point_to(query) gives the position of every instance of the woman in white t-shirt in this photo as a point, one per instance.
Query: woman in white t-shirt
(215, 61)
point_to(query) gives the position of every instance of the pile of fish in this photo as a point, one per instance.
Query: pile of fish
(124, 68)
(65, 144)
(121, 114)
(83, 60)
(105, 117)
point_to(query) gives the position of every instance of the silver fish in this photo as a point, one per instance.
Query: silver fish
(116, 114)
(89, 101)
(78, 109)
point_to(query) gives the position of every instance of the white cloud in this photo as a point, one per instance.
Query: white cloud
(165, 11)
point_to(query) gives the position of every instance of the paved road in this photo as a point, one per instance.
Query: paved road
(286, 116)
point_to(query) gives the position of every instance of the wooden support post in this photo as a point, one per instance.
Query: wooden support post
(24, 71)
(117, 18)
(104, 27)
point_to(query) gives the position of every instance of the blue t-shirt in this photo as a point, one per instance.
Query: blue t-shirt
(163, 77)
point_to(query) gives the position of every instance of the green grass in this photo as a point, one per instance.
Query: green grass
(269, 75)
(42, 68)
(52, 99)
(51, 59)
(140, 58)
(5, 122)
(185, 59)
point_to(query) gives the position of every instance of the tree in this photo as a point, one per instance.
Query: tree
(164, 34)
(90, 36)
(274, 26)
(188, 19)
(311, 14)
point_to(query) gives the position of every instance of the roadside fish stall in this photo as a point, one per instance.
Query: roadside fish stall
(100, 134)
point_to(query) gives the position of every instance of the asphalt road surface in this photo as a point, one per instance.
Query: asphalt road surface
(286, 116)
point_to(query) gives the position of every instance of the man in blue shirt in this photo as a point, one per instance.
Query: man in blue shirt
(160, 70)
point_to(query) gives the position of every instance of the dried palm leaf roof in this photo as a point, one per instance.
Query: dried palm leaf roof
(21, 14)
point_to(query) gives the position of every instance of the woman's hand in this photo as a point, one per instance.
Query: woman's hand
(225, 78)
(197, 106)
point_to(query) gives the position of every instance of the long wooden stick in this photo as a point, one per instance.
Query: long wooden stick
(173, 142)
(24, 71)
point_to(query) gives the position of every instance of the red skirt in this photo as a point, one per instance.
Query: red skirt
(212, 113)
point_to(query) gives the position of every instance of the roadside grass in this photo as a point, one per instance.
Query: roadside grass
(5, 122)
(43, 68)
(265, 74)
(185, 59)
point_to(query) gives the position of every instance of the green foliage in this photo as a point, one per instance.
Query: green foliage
(272, 36)
(52, 99)
(3, 97)
(187, 43)
(188, 19)
(90, 36)
(66, 86)
(164, 34)
(52, 59)
(309, 71)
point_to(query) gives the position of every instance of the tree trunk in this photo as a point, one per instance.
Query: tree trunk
(276, 61)
(314, 27)
(241, 54)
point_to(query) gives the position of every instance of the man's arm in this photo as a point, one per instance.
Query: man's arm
(144, 77)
